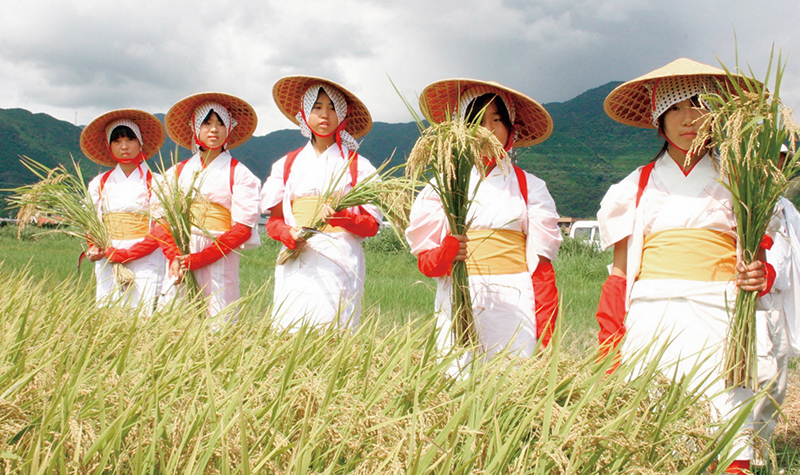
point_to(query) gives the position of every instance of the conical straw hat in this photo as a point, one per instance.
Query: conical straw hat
(94, 141)
(532, 122)
(180, 118)
(631, 103)
(288, 94)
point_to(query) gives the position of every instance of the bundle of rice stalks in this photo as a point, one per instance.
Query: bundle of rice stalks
(381, 189)
(63, 197)
(176, 211)
(443, 158)
(749, 124)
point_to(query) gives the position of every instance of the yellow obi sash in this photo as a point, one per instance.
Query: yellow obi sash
(306, 212)
(689, 254)
(495, 252)
(212, 216)
(125, 226)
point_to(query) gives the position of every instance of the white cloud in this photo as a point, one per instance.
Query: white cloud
(93, 55)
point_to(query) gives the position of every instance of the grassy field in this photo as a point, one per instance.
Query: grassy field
(85, 390)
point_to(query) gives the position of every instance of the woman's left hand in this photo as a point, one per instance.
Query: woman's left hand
(752, 277)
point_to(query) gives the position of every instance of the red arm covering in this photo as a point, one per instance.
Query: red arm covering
(280, 231)
(439, 261)
(165, 242)
(770, 271)
(137, 251)
(224, 244)
(364, 225)
(611, 315)
(546, 295)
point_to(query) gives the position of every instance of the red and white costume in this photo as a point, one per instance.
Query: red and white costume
(504, 304)
(685, 318)
(237, 193)
(325, 281)
(128, 194)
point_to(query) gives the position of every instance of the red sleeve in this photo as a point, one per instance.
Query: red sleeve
(770, 271)
(363, 224)
(280, 231)
(611, 315)
(165, 242)
(137, 251)
(439, 261)
(546, 295)
(223, 245)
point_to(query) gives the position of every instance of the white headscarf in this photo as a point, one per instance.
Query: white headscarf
(200, 115)
(477, 91)
(673, 89)
(126, 123)
(339, 103)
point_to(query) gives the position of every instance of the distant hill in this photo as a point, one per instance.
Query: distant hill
(585, 155)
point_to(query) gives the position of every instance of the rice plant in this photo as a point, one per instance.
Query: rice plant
(381, 189)
(64, 197)
(748, 124)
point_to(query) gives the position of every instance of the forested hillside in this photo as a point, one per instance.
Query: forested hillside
(585, 155)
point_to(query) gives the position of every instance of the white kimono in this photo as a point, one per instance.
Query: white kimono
(504, 305)
(687, 318)
(127, 194)
(219, 280)
(325, 281)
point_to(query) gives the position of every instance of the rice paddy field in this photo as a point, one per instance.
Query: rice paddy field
(87, 390)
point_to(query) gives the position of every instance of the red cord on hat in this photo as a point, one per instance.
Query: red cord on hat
(338, 129)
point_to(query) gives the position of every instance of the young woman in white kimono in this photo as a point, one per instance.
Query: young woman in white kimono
(210, 124)
(124, 139)
(325, 281)
(513, 236)
(672, 228)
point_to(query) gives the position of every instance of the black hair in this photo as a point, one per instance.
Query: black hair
(695, 103)
(208, 117)
(122, 131)
(479, 104)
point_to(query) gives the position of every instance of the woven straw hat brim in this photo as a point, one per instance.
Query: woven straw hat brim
(532, 123)
(180, 117)
(288, 94)
(630, 103)
(94, 142)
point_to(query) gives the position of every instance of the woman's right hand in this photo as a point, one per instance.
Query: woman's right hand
(297, 235)
(462, 247)
(95, 253)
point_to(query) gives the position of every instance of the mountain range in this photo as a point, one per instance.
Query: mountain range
(586, 153)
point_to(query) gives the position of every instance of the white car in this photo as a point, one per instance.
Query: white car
(587, 231)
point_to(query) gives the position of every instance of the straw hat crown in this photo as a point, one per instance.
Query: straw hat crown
(288, 94)
(631, 103)
(532, 122)
(180, 117)
(94, 141)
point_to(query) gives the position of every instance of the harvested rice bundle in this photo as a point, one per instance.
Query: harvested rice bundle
(749, 124)
(63, 197)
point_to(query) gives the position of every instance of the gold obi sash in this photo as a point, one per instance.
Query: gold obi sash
(495, 252)
(306, 212)
(689, 254)
(126, 226)
(212, 216)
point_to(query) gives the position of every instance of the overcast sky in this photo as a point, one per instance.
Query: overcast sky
(87, 57)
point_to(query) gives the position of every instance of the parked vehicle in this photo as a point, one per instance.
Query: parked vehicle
(587, 231)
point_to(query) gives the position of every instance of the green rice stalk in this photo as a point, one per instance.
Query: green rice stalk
(748, 124)
(381, 189)
(443, 158)
(64, 197)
